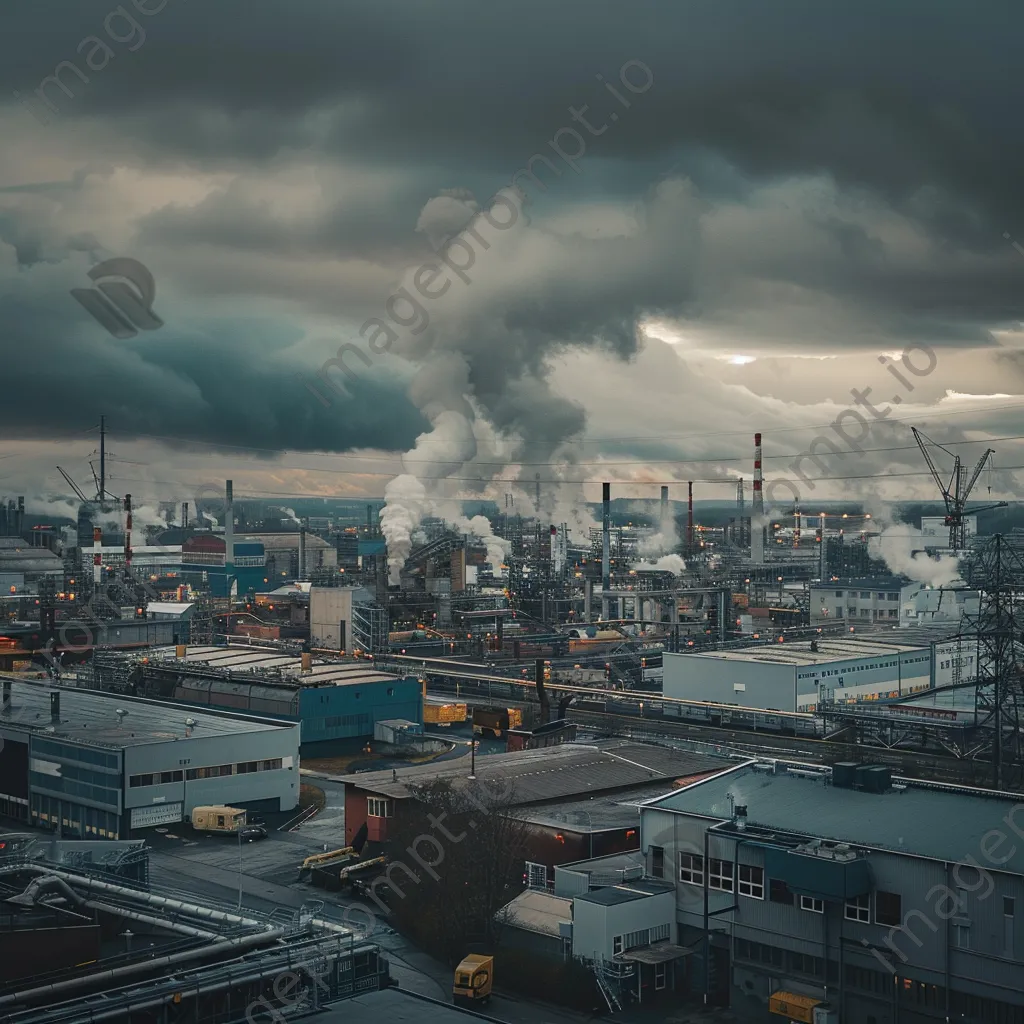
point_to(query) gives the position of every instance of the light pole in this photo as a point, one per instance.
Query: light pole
(472, 757)
(239, 867)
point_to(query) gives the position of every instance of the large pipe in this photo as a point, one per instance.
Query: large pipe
(606, 542)
(229, 529)
(302, 552)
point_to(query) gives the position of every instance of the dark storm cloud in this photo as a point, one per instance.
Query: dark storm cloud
(230, 383)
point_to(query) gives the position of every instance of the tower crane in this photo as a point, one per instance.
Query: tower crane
(955, 493)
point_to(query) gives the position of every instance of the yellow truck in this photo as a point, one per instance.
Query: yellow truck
(473, 980)
(218, 819)
(443, 713)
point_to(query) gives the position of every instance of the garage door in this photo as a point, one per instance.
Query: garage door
(158, 814)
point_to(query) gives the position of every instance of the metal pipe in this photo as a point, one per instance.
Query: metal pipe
(606, 569)
(147, 967)
(689, 516)
(302, 552)
(229, 529)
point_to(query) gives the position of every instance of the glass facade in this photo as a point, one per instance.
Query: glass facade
(76, 789)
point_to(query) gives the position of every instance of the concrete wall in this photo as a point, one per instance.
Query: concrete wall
(280, 786)
(756, 684)
(328, 606)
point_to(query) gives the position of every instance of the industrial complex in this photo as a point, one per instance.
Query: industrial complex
(736, 752)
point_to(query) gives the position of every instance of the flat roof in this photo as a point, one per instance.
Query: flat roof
(539, 912)
(552, 773)
(888, 583)
(798, 652)
(242, 658)
(928, 820)
(626, 892)
(88, 716)
(599, 814)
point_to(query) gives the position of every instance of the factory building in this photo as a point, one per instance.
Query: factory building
(867, 601)
(96, 765)
(293, 556)
(334, 700)
(203, 560)
(798, 675)
(839, 895)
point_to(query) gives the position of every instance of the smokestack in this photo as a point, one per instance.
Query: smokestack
(757, 528)
(739, 498)
(758, 479)
(369, 520)
(796, 528)
(664, 512)
(545, 706)
(823, 551)
(229, 529)
(302, 552)
(689, 516)
(97, 558)
(184, 514)
(127, 535)
(536, 479)
(606, 542)
(21, 515)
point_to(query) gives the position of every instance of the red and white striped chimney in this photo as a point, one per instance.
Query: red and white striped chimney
(97, 558)
(127, 535)
(758, 509)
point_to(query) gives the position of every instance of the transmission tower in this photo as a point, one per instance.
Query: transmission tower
(996, 569)
(955, 493)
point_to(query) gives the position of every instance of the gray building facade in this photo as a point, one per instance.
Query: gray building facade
(902, 906)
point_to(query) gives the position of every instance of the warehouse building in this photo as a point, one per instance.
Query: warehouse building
(840, 895)
(797, 676)
(340, 699)
(96, 765)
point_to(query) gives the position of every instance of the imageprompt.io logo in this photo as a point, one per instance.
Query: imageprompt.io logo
(122, 300)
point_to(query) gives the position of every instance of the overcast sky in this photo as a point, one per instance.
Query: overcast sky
(794, 190)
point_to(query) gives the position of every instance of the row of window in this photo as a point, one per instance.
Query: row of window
(865, 595)
(67, 752)
(213, 772)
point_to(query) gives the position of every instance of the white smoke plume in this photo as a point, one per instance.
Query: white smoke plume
(290, 513)
(480, 526)
(667, 563)
(901, 546)
(405, 504)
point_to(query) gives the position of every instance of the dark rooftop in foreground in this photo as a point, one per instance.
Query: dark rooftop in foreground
(627, 892)
(553, 773)
(928, 820)
(89, 716)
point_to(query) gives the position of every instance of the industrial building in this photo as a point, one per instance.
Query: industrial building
(339, 699)
(845, 895)
(204, 565)
(98, 766)
(872, 600)
(800, 675)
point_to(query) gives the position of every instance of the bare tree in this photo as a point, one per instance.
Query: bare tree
(461, 846)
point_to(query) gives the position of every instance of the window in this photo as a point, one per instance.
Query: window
(865, 595)
(813, 904)
(617, 945)
(659, 977)
(751, 882)
(378, 807)
(691, 868)
(888, 908)
(859, 909)
(720, 875)
(778, 892)
(839, 593)
(962, 936)
(657, 862)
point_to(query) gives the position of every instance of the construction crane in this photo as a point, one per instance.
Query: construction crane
(955, 493)
(73, 485)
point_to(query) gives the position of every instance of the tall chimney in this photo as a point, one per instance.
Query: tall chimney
(606, 543)
(184, 514)
(739, 497)
(229, 530)
(536, 479)
(664, 525)
(796, 528)
(97, 558)
(757, 527)
(689, 516)
(127, 536)
(21, 515)
(302, 552)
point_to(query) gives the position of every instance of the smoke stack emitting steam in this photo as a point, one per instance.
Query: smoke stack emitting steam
(757, 509)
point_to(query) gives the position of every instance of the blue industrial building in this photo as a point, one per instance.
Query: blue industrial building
(203, 561)
(336, 701)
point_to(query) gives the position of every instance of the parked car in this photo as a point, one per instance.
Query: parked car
(250, 833)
